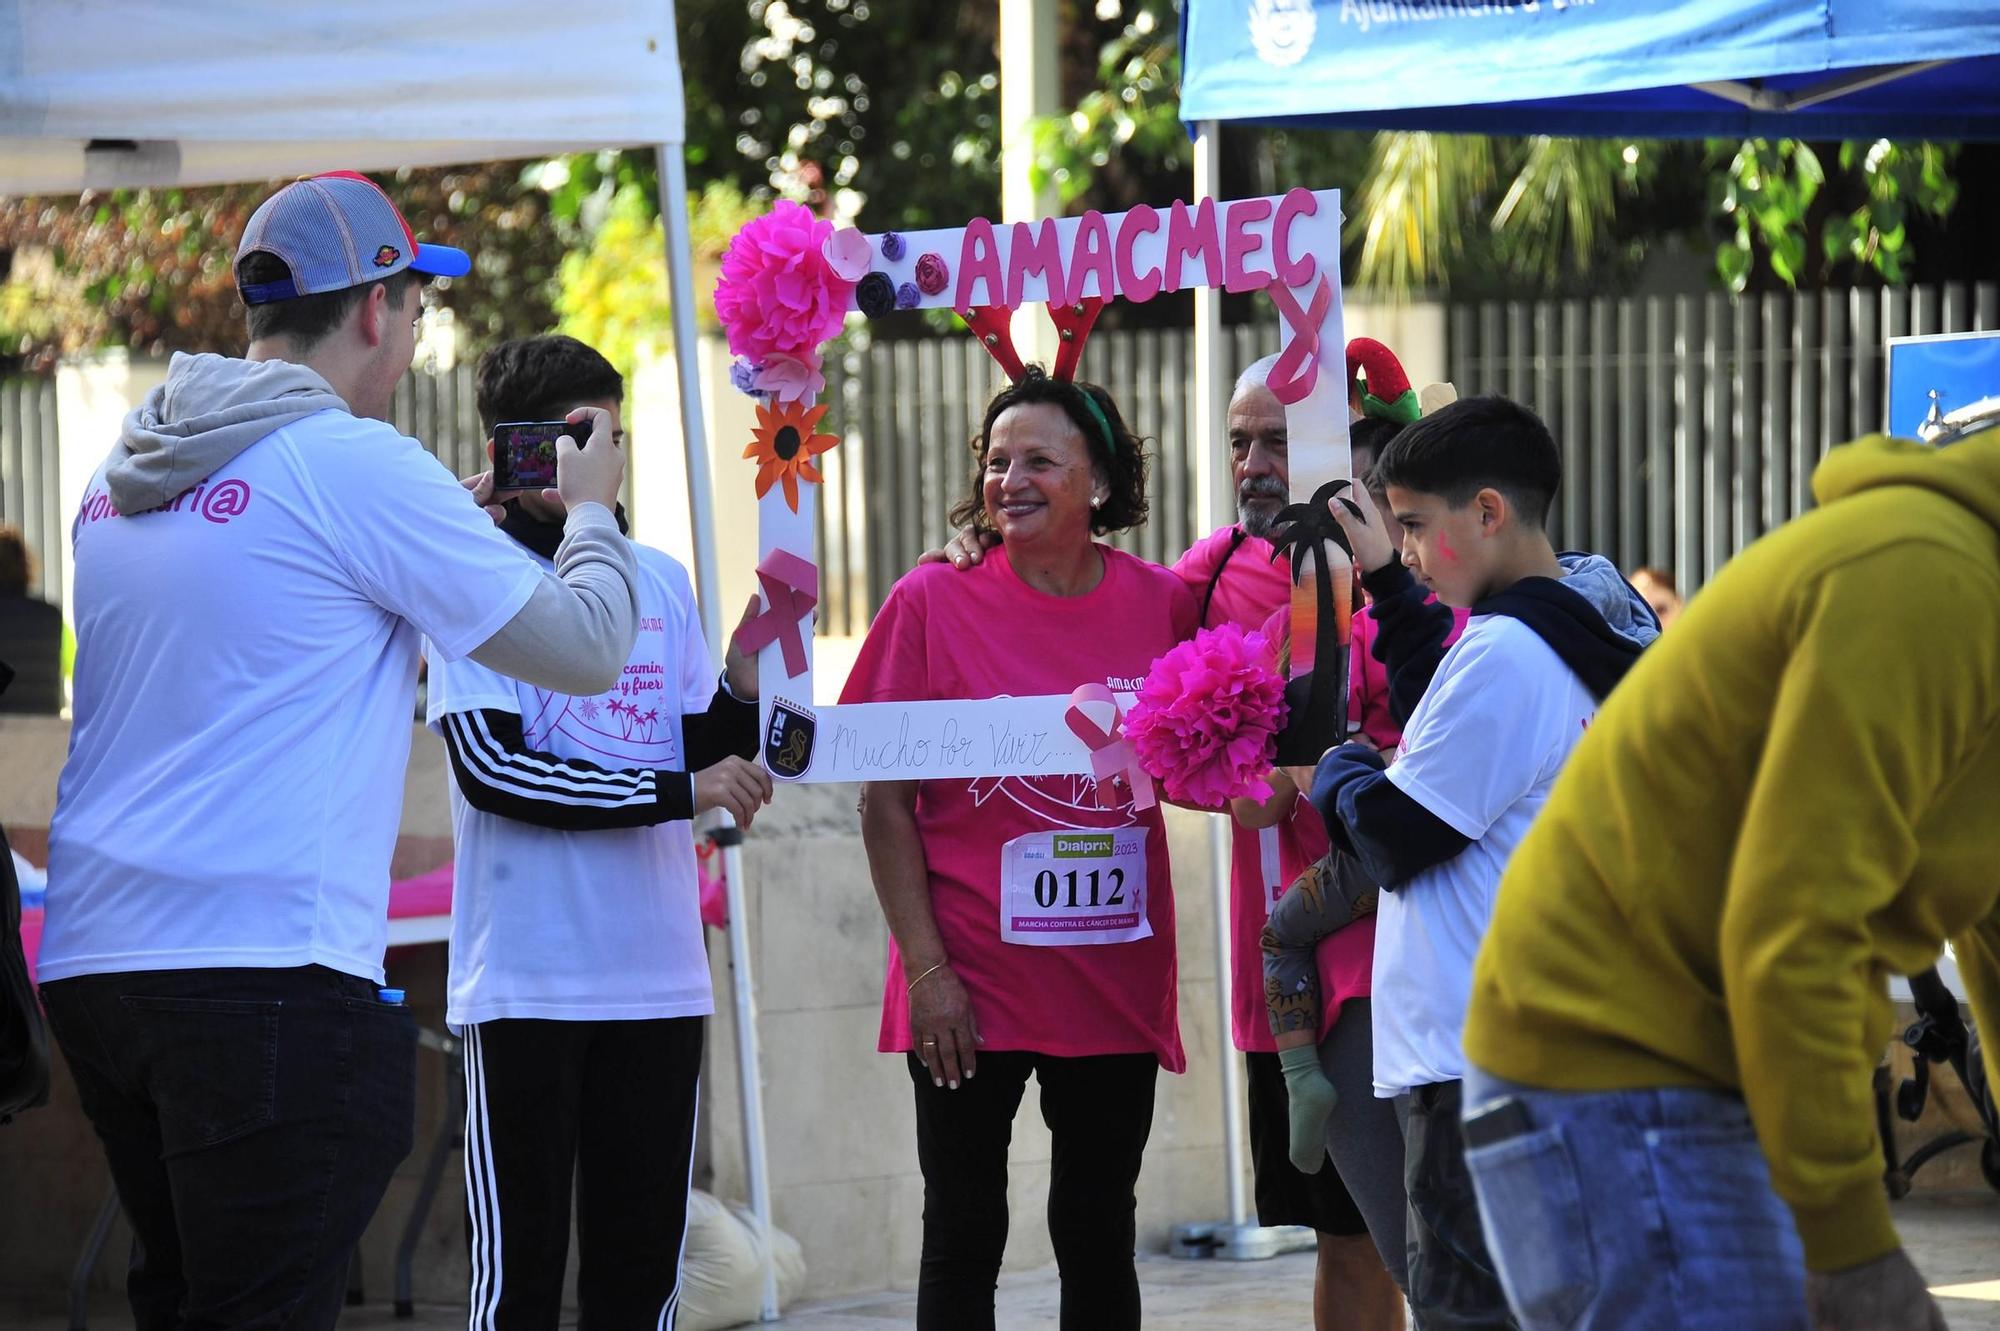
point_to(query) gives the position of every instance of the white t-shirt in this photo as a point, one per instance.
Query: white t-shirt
(1481, 752)
(597, 925)
(245, 682)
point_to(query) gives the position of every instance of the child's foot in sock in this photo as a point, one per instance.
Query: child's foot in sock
(1312, 1102)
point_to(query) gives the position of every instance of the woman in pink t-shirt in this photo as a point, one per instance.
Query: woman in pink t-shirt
(1032, 930)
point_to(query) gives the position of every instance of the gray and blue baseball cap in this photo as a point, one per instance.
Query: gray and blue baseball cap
(336, 231)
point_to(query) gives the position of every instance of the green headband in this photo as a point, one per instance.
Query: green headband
(1103, 423)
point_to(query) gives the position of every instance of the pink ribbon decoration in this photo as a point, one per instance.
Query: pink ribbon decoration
(1297, 369)
(791, 590)
(1111, 754)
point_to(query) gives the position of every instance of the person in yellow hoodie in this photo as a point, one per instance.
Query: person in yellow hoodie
(1789, 799)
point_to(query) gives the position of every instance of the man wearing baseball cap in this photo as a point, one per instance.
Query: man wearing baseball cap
(255, 563)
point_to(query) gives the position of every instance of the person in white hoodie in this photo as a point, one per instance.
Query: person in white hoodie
(255, 564)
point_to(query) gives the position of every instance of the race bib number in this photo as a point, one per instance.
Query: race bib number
(1072, 889)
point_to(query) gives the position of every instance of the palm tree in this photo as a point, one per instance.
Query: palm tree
(1424, 194)
(1412, 206)
(1562, 202)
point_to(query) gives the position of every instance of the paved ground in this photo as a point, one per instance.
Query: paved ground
(1956, 1241)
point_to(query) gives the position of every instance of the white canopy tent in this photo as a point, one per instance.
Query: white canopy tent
(98, 94)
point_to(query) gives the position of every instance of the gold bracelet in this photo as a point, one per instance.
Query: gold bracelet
(911, 988)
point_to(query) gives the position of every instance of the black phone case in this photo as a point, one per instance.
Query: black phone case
(1502, 1120)
(507, 439)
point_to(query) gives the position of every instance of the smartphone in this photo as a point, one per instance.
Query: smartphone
(1495, 1122)
(524, 453)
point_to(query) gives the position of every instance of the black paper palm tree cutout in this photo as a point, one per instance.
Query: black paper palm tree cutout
(1299, 528)
(1317, 703)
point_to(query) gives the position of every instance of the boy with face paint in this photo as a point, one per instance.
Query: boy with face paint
(1549, 635)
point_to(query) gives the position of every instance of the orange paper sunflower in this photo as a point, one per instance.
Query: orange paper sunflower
(785, 445)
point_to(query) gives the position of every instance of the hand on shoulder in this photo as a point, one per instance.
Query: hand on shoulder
(965, 550)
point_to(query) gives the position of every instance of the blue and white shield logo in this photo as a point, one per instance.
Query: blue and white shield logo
(1282, 30)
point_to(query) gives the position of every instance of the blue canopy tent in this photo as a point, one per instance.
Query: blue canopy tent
(1829, 69)
(1821, 69)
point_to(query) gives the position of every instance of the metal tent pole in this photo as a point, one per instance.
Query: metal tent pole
(1212, 502)
(708, 588)
(1239, 1237)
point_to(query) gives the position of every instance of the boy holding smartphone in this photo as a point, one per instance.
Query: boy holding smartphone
(578, 972)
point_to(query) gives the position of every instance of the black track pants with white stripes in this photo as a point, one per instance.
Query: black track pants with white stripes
(610, 1107)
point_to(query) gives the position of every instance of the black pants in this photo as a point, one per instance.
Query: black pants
(1453, 1283)
(252, 1119)
(1100, 1112)
(1285, 1196)
(606, 1108)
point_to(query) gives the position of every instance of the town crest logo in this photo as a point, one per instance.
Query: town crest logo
(1282, 30)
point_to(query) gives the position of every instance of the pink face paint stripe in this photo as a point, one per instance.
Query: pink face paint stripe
(1444, 548)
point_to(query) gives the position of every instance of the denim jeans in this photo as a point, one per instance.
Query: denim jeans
(252, 1119)
(1647, 1210)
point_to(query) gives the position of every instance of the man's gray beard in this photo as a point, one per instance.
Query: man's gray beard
(1255, 522)
(1258, 521)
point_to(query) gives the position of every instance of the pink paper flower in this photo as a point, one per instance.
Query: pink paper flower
(850, 253)
(1206, 723)
(778, 294)
(790, 378)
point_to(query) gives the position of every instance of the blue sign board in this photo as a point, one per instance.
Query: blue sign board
(1822, 69)
(1941, 372)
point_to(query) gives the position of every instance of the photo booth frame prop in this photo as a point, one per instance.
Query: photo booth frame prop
(1287, 246)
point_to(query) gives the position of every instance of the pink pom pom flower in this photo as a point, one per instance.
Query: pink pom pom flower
(1206, 723)
(778, 295)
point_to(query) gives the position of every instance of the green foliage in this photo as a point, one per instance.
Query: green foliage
(1427, 214)
(1562, 205)
(151, 269)
(1789, 218)
(1430, 211)
(847, 105)
(886, 115)
(146, 268)
(1132, 110)
(1409, 212)
(614, 291)
(844, 104)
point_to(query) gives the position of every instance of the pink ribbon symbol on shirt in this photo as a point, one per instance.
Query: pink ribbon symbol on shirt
(1111, 754)
(1297, 369)
(791, 590)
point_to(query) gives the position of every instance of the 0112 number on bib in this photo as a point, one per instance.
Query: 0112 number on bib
(1074, 888)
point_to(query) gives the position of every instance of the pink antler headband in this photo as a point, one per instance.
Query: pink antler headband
(993, 326)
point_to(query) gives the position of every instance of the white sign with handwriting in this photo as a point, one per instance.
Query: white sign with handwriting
(928, 741)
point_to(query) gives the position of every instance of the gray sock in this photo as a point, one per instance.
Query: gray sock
(1312, 1100)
